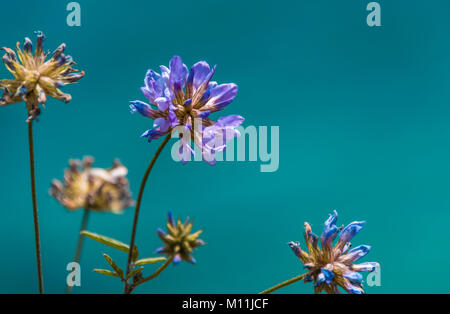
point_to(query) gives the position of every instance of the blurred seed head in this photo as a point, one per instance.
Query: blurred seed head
(96, 189)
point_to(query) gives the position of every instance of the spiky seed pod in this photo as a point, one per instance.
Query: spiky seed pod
(97, 189)
(35, 77)
(330, 267)
(179, 242)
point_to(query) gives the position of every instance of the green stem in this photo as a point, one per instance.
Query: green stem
(138, 206)
(153, 276)
(37, 239)
(284, 284)
(77, 258)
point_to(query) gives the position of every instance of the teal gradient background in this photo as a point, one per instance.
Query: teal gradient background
(364, 116)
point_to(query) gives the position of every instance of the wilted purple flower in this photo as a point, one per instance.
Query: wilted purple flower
(332, 266)
(185, 99)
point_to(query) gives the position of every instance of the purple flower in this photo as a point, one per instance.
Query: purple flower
(331, 267)
(184, 100)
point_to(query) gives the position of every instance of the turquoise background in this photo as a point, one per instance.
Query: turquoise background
(364, 116)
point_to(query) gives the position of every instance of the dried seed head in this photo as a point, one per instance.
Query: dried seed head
(97, 189)
(35, 77)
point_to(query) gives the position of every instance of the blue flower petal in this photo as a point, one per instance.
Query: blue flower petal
(160, 250)
(170, 217)
(320, 279)
(329, 275)
(205, 114)
(198, 74)
(330, 230)
(353, 276)
(350, 231)
(353, 289)
(177, 259)
(152, 134)
(220, 96)
(178, 74)
(143, 108)
(358, 252)
(368, 266)
(161, 232)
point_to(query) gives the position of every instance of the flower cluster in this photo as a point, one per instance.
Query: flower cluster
(185, 99)
(97, 189)
(35, 77)
(179, 243)
(332, 266)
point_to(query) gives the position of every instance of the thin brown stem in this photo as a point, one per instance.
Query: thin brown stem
(77, 258)
(138, 206)
(37, 239)
(284, 284)
(151, 277)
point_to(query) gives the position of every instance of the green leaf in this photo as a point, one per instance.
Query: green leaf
(150, 260)
(134, 272)
(113, 265)
(107, 272)
(107, 241)
(110, 242)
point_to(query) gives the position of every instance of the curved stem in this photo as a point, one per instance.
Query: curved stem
(138, 205)
(284, 284)
(84, 222)
(151, 277)
(37, 239)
